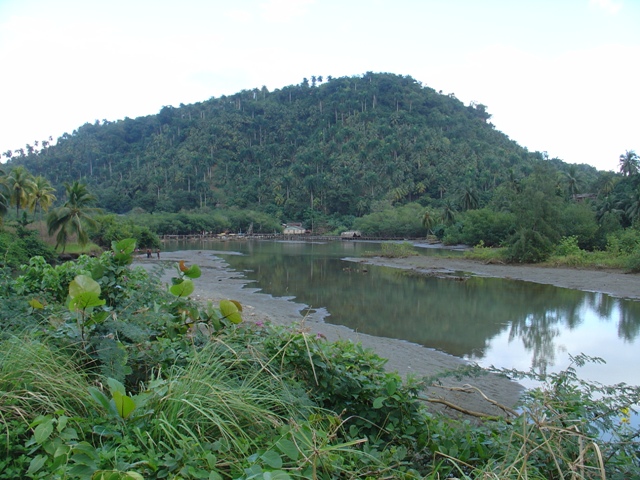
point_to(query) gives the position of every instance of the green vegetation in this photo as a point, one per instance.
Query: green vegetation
(71, 217)
(379, 153)
(394, 250)
(18, 245)
(622, 252)
(105, 374)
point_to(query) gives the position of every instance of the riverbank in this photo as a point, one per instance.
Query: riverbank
(612, 282)
(219, 282)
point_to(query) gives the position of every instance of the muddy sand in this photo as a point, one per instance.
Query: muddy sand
(219, 282)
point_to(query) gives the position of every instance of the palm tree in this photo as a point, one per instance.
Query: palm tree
(70, 218)
(469, 199)
(448, 215)
(20, 184)
(629, 163)
(606, 183)
(42, 195)
(572, 180)
(4, 196)
(607, 206)
(633, 207)
(428, 220)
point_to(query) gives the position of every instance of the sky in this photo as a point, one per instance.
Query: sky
(557, 76)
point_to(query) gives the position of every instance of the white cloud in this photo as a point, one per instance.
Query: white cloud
(609, 6)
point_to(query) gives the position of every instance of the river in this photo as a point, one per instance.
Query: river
(490, 321)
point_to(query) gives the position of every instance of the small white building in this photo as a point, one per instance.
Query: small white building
(294, 229)
(351, 234)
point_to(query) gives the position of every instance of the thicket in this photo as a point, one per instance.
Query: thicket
(112, 228)
(207, 220)
(18, 245)
(104, 374)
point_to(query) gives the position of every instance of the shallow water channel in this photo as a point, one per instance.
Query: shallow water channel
(504, 323)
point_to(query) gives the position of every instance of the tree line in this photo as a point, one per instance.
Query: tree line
(378, 152)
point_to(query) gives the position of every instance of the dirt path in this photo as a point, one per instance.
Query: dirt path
(219, 282)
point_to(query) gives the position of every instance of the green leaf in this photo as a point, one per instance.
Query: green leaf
(182, 289)
(391, 387)
(133, 476)
(125, 246)
(43, 431)
(379, 402)
(62, 423)
(230, 310)
(123, 250)
(97, 271)
(103, 431)
(82, 284)
(115, 386)
(193, 272)
(99, 317)
(124, 404)
(100, 397)
(116, 475)
(272, 459)
(35, 304)
(85, 300)
(36, 464)
(288, 448)
(276, 475)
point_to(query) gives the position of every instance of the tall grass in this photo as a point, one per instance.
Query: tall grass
(38, 379)
(226, 393)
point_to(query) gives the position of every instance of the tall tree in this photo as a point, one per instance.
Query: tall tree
(428, 220)
(629, 163)
(633, 206)
(4, 195)
(469, 198)
(42, 195)
(572, 181)
(20, 184)
(73, 215)
(448, 215)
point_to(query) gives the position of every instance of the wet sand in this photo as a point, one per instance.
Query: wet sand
(219, 282)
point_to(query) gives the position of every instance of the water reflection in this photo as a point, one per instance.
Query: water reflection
(506, 323)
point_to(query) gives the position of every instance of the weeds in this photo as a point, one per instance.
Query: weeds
(165, 388)
(393, 250)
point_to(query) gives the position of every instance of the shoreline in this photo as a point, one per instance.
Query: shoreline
(611, 282)
(219, 282)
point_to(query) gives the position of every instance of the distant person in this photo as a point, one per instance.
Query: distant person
(148, 253)
(158, 253)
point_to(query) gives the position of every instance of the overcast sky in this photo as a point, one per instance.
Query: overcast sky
(560, 76)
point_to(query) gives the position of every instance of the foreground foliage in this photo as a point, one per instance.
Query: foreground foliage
(106, 375)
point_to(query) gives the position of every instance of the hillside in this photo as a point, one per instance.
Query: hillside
(336, 146)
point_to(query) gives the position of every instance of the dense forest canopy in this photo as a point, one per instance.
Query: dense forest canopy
(340, 152)
(335, 146)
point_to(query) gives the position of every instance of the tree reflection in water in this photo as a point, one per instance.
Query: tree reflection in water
(488, 320)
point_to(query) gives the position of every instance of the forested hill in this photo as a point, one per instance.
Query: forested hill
(342, 146)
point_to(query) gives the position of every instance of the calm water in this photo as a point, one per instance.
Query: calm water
(505, 323)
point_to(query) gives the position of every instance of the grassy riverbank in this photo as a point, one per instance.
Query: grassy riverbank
(106, 374)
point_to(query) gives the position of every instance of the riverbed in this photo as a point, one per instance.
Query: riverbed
(219, 282)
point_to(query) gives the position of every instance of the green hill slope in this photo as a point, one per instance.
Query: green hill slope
(337, 146)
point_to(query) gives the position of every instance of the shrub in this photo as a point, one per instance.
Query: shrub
(17, 248)
(487, 226)
(624, 242)
(528, 246)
